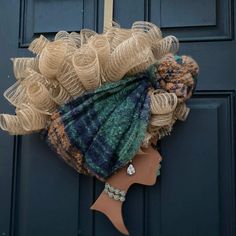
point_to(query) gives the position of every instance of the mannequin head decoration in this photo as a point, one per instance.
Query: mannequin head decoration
(102, 101)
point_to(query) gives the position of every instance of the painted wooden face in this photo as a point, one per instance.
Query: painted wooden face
(147, 166)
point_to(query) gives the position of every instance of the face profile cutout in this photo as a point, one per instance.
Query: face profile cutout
(146, 165)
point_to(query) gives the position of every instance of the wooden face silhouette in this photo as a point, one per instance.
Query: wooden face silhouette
(146, 166)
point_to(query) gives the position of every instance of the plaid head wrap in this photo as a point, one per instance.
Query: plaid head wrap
(101, 131)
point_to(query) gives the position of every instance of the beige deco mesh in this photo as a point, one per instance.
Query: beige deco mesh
(74, 63)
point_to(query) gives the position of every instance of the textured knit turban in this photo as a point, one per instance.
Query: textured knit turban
(101, 131)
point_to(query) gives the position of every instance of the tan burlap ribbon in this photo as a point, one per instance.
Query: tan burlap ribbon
(74, 63)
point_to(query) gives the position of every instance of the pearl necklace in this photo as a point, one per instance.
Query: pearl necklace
(114, 193)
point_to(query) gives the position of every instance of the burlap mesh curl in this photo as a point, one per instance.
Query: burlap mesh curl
(59, 94)
(30, 119)
(16, 94)
(69, 79)
(85, 35)
(38, 44)
(39, 98)
(12, 124)
(21, 66)
(86, 64)
(74, 63)
(101, 45)
(52, 57)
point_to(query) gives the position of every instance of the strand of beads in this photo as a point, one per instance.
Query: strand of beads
(114, 193)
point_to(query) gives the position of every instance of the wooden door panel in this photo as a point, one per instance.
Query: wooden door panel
(9, 29)
(68, 15)
(128, 11)
(198, 169)
(46, 191)
(194, 20)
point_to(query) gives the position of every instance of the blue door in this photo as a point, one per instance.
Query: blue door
(195, 195)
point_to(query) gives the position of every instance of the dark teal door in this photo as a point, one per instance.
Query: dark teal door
(195, 195)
